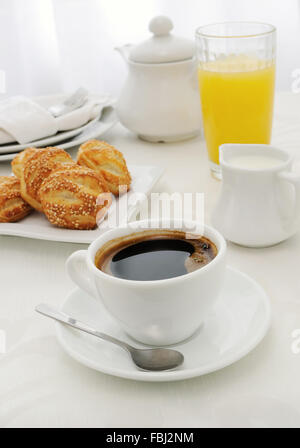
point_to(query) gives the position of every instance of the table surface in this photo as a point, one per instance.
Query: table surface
(41, 386)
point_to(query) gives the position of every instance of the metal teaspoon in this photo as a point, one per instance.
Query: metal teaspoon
(152, 359)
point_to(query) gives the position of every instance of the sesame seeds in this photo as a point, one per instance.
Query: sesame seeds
(69, 198)
(40, 164)
(65, 191)
(12, 206)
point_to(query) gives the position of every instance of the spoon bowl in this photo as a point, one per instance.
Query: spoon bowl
(157, 359)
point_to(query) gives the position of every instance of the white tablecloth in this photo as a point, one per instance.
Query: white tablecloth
(41, 386)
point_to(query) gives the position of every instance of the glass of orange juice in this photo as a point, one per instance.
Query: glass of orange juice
(236, 73)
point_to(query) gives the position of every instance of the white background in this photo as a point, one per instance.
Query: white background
(56, 45)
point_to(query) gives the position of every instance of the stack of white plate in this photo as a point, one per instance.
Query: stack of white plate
(65, 139)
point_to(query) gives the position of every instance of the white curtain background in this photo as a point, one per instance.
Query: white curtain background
(48, 46)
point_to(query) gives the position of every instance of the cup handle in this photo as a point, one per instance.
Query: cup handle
(78, 271)
(294, 179)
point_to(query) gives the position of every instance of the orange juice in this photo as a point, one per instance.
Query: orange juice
(237, 101)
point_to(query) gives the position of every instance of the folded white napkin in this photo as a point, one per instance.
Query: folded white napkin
(80, 116)
(24, 121)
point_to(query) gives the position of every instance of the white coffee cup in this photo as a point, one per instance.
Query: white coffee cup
(160, 312)
(259, 203)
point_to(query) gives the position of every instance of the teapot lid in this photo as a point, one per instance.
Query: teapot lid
(162, 46)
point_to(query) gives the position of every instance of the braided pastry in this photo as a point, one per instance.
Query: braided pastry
(107, 160)
(17, 163)
(37, 168)
(12, 206)
(69, 197)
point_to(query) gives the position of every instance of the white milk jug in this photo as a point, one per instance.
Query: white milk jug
(259, 204)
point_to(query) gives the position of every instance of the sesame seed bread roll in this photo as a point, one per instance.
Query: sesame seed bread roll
(17, 163)
(12, 206)
(37, 168)
(69, 198)
(108, 161)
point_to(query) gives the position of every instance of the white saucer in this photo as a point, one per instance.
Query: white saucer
(236, 326)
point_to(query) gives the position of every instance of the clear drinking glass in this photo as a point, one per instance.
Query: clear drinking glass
(236, 72)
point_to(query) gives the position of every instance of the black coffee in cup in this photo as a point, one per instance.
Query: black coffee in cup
(154, 255)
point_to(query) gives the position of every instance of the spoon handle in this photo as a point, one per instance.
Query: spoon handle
(53, 313)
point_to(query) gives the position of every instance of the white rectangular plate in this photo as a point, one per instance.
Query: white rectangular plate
(36, 225)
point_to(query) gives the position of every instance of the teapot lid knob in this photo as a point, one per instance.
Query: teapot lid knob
(163, 46)
(160, 25)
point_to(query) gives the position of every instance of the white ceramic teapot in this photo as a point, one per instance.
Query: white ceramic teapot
(160, 99)
(259, 204)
